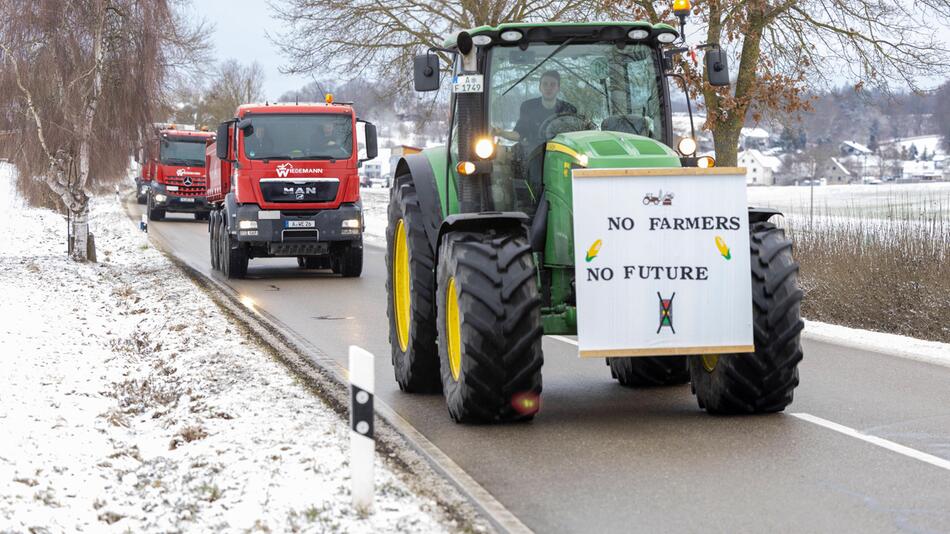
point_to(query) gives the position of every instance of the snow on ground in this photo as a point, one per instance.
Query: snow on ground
(129, 402)
(901, 200)
(375, 204)
(905, 347)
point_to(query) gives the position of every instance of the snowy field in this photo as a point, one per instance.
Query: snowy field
(900, 201)
(129, 403)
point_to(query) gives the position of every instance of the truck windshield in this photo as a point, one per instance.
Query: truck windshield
(313, 136)
(549, 89)
(189, 152)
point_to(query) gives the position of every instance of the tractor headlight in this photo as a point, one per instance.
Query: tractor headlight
(247, 225)
(465, 168)
(666, 37)
(706, 162)
(484, 148)
(481, 40)
(511, 35)
(638, 34)
(686, 146)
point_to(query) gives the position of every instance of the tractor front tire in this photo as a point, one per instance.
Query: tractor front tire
(650, 371)
(762, 382)
(410, 292)
(489, 327)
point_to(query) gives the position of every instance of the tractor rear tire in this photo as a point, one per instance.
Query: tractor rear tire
(412, 337)
(348, 262)
(762, 382)
(489, 327)
(650, 371)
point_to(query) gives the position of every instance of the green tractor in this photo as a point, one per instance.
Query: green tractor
(480, 247)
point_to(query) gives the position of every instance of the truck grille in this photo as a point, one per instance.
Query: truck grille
(198, 187)
(300, 190)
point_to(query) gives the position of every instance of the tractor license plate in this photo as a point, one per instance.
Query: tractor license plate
(300, 224)
(470, 83)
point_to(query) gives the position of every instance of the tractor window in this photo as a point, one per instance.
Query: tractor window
(548, 89)
(300, 136)
(190, 152)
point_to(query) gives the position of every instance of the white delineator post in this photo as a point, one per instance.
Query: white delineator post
(362, 442)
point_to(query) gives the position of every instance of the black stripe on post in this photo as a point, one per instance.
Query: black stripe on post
(361, 411)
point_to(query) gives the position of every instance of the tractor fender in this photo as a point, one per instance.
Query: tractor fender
(481, 222)
(419, 169)
(757, 215)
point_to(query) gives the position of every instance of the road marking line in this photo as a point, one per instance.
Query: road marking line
(567, 340)
(874, 440)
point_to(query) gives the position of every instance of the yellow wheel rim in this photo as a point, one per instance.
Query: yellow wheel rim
(710, 361)
(453, 329)
(401, 286)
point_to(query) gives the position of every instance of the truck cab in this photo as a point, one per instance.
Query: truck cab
(284, 182)
(175, 173)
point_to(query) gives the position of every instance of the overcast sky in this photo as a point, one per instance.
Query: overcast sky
(241, 28)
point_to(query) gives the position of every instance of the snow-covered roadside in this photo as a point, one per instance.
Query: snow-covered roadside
(375, 206)
(890, 344)
(130, 403)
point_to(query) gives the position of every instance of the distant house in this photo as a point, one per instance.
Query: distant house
(835, 172)
(921, 170)
(753, 138)
(760, 169)
(852, 148)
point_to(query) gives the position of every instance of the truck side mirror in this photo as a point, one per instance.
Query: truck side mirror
(717, 67)
(426, 72)
(223, 139)
(369, 133)
(246, 126)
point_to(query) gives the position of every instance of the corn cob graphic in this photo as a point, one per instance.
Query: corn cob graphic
(723, 249)
(594, 250)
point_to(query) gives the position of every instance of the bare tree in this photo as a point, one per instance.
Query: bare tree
(81, 80)
(233, 84)
(378, 39)
(784, 49)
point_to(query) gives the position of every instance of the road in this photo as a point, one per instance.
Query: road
(603, 458)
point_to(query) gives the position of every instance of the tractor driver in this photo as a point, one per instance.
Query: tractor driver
(535, 111)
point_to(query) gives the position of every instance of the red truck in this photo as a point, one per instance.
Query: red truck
(173, 173)
(283, 182)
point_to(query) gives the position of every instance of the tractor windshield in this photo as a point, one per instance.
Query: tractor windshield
(547, 89)
(183, 152)
(301, 136)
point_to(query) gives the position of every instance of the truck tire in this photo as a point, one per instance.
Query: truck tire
(213, 240)
(489, 327)
(201, 216)
(650, 371)
(235, 259)
(762, 382)
(348, 262)
(411, 295)
(154, 214)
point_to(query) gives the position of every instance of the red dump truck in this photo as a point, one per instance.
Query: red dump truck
(283, 182)
(173, 173)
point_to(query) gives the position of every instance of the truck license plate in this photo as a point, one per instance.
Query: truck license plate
(300, 224)
(186, 199)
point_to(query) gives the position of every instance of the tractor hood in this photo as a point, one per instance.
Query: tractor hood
(605, 149)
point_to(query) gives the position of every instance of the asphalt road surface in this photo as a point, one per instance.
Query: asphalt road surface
(603, 458)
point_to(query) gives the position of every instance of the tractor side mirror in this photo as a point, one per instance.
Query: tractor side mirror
(369, 140)
(717, 67)
(223, 138)
(426, 72)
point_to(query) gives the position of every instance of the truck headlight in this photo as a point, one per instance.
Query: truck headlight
(160, 198)
(351, 223)
(247, 225)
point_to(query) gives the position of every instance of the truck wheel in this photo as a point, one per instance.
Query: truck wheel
(213, 240)
(764, 381)
(235, 259)
(410, 292)
(154, 214)
(650, 371)
(349, 261)
(201, 216)
(489, 327)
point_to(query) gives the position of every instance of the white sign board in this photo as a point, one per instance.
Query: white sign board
(662, 262)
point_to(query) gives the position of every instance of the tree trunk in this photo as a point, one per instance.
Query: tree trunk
(726, 140)
(79, 229)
